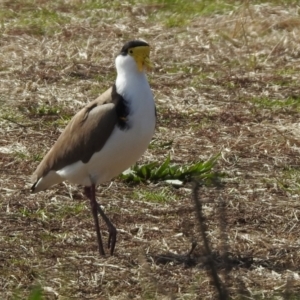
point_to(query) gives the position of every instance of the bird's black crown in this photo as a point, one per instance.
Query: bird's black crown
(132, 44)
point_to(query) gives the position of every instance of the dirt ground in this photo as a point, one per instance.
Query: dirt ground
(223, 82)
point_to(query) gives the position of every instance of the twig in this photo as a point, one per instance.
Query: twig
(203, 228)
(12, 121)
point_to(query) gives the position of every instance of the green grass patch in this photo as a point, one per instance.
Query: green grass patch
(180, 13)
(62, 212)
(161, 196)
(287, 71)
(191, 8)
(32, 18)
(26, 115)
(275, 2)
(66, 211)
(290, 180)
(48, 110)
(21, 155)
(24, 155)
(38, 214)
(10, 115)
(36, 293)
(58, 115)
(275, 104)
(99, 4)
(46, 18)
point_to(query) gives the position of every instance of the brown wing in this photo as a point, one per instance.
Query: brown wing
(86, 133)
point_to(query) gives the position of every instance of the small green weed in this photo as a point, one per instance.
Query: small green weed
(171, 173)
(37, 157)
(21, 155)
(36, 294)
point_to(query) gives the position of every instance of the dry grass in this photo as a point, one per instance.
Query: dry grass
(227, 80)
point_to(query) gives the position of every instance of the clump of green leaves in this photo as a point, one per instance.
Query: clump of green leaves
(172, 173)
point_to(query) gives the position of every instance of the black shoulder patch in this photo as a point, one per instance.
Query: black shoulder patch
(122, 109)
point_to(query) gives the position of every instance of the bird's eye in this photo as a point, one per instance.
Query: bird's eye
(130, 51)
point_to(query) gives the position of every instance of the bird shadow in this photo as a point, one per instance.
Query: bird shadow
(200, 260)
(221, 261)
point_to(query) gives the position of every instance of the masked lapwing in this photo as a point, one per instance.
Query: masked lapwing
(107, 136)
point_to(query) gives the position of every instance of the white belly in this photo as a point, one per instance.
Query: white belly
(121, 150)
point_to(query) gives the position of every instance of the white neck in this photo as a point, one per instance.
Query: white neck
(130, 79)
(125, 64)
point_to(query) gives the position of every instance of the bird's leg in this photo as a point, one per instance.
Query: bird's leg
(90, 193)
(112, 237)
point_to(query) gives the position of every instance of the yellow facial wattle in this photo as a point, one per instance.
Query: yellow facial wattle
(141, 56)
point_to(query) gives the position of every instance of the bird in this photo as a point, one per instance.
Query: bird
(105, 137)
